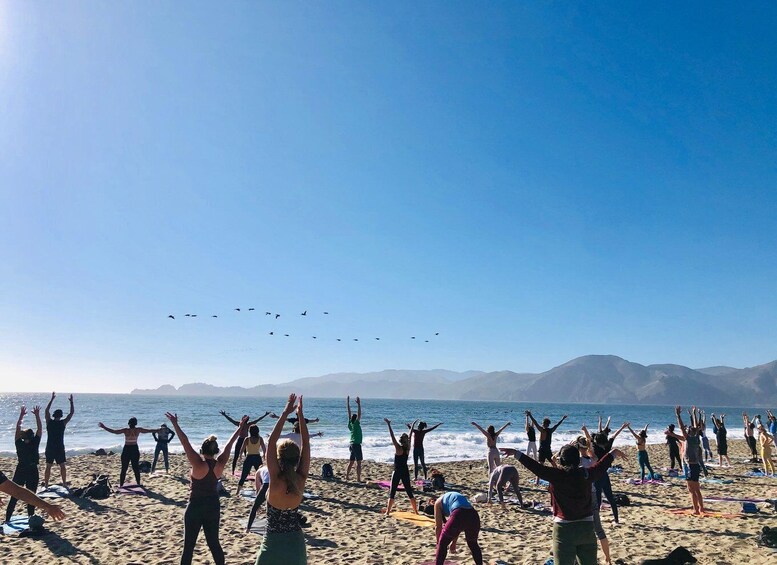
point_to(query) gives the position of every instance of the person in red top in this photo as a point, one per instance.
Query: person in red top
(570, 496)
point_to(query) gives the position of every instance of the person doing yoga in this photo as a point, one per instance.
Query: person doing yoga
(642, 455)
(162, 438)
(262, 480)
(401, 471)
(253, 448)
(672, 441)
(492, 436)
(705, 441)
(26, 474)
(55, 439)
(531, 438)
(355, 445)
(766, 442)
(499, 480)
(288, 466)
(721, 442)
(750, 437)
(455, 511)
(587, 459)
(418, 445)
(602, 445)
(572, 500)
(239, 442)
(546, 436)
(130, 454)
(203, 512)
(692, 454)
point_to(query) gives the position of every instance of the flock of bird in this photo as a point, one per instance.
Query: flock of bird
(276, 316)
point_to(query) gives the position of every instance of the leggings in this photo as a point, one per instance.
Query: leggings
(401, 474)
(251, 461)
(531, 450)
(238, 447)
(705, 443)
(574, 542)
(766, 457)
(260, 498)
(24, 476)
(493, 459)
(598, 529)
(418, 455)
(130, 454)
(603, 485)
(202, 513)
(751, 443)
(163, 448)
(644, 461)
(464, 520)
(674, 454)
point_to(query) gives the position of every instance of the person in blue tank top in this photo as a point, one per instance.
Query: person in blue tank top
(457, 514)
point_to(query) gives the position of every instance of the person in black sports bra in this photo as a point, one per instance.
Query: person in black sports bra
(401, 470)
(203, 511)
(672, 440)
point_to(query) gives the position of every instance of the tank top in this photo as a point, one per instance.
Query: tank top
(282, 521)
(531, 434)
(692, 449)
(253, 448)
(400, 461)
(206, 486)
(56, 433)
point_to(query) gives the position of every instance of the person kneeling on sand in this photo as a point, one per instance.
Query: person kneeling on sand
(453, 509)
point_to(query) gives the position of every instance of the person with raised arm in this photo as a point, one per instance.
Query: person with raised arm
(130, 453)
(27, 445)
(418, 436)
(771, 422)
(355, 446)
(163, 438)
(642, 455)
(572, 500)
(601, 445)
(203, 512)
(750, 437)
(721, 442)
(253, 449)
(401, 470)
(692, 454)
(15, 491)
(672, 441)
(531, 438)
(546, 436)
(705, 441)
(55, 440)
(587, 459)
(492, 435)
(288, 466)
(240, 439)
(453, 509)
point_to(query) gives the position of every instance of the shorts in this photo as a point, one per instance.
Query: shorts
(692, 472)
(545, 454)
(356, 452)
(55, 454)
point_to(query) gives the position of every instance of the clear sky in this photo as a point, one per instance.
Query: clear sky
(534, 181)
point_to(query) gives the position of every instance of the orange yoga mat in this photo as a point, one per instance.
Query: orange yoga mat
(417, 519)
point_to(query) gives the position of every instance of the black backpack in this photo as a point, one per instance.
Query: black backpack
(767, 537)
(622, 500)
(98, 489)
(326, 471)
(145, 466)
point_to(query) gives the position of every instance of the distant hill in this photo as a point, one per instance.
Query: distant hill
(590, 379)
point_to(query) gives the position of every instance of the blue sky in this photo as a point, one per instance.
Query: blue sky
(534, 181)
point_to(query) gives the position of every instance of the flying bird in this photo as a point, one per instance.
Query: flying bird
(277, 316)
(251, 309)
(214, 316)
(305, 313)
(412, 337)
(314, 337)
(237, 309)
(268, 313)
(194, 315)
(171, 317)
(438, 333)
(355, 339)
(338, 339)
(285, 335)
(272, 333)
(187, 315)
(326, 312)
(426, 341)
(377, 338)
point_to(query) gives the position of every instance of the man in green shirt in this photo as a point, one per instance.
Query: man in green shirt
(355, 426)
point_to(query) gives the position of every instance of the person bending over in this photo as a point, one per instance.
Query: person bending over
(455, 511)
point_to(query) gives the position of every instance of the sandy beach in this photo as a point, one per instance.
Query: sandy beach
(346, 526)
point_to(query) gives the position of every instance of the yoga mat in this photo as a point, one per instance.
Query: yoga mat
(714, 481)
(54, 491)
(131, 489)
(259, 526)
(706, 514)
(446, 562)
(387, 484)
(416, 519)
(638, 482)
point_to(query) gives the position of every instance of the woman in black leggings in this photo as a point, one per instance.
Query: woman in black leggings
(130, 454)
(239, 443)
(203, 511)
(401, 471)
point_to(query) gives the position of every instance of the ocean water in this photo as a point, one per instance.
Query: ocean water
(456, 439)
